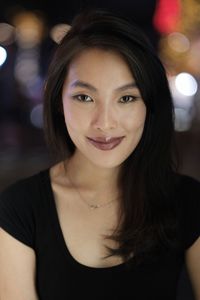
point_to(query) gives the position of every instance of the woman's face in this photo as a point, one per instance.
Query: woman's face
(101, 101)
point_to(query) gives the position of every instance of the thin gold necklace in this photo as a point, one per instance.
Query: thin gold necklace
(91, 206)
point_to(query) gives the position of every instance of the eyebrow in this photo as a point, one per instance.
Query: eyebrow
(79, 83)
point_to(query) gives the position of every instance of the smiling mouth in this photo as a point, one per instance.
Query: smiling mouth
(102, 144)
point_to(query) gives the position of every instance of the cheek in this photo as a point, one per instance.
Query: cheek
(134, 120)
(74, 117)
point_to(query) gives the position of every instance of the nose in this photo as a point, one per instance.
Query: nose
(105, 118)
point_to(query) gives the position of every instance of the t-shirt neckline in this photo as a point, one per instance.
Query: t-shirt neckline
(45, 174)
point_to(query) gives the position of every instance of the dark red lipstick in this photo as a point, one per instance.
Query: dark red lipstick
(105, 143)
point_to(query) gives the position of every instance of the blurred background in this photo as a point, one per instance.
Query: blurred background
(29, 34)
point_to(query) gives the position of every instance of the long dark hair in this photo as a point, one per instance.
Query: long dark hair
(148, 176)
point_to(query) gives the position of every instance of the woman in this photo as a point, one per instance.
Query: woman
(112, 219)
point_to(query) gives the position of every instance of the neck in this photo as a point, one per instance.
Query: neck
(92, 177)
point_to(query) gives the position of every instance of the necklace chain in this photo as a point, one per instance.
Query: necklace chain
(91, 206)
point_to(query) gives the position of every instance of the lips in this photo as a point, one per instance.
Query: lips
(103, 143)
(105, 140)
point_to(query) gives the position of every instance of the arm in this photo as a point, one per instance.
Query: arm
(17, 271)
(192, 257)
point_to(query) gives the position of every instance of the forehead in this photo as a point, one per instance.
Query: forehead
(97, 51)
(100, 63)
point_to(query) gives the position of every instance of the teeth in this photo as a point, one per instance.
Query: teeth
(108, 138)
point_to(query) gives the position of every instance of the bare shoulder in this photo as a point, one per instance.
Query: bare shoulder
(18, 269)
(193, 266)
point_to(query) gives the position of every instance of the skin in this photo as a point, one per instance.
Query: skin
(101, 112)
(192, 260)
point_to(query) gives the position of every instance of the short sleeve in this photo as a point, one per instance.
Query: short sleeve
(190, 206)
(16, 212)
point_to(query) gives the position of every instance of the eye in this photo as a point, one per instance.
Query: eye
(82, 98)
(128, 98)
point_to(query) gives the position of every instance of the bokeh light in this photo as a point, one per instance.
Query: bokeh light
(7, 34)
(3, 55)
(178, 42)
(36, 116)
(26, 68)
(30, 28)
(186, 84)
(182, 119)
(58, 32)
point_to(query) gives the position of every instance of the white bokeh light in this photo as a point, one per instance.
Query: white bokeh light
(186, 84)
(183, 107)
(3, 55)
(180, 100)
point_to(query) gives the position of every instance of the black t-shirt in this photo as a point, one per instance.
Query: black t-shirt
(28, 212)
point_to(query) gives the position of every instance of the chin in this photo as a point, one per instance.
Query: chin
(107, 163)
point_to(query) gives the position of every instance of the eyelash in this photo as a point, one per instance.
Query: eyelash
(76, 97)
